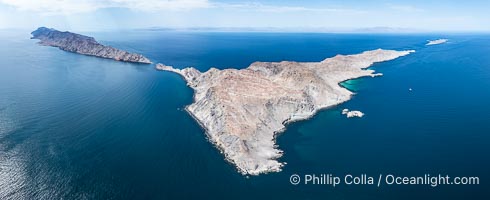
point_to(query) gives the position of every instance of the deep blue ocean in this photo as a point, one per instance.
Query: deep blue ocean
(80, 127)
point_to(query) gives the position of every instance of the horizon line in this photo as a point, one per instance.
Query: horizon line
(361, 30)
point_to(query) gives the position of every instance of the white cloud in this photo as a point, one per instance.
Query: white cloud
(80, 6)
(53, 7)
(156, 5)
(253, 6)
(406, 8)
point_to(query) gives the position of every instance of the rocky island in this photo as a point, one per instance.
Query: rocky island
(352, 113)
(438, 41)
(243, 110)
(85, 45)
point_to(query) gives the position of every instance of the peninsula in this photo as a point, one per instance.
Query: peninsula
(243, 110)
(85, 45)
(438, 41)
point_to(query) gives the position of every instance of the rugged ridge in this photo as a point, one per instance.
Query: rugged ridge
(243, 110)
(85, 45)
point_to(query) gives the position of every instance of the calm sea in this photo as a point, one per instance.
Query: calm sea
(80, 127)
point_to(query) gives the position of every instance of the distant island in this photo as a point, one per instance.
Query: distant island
(438, 41)
(243, 110)
(85, 45)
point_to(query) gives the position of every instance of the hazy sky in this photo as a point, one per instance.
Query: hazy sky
(423, 15)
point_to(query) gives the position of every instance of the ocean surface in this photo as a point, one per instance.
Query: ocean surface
(80, 127)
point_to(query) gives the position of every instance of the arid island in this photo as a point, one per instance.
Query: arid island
(435, 42)
(85, 45)
(243, 110)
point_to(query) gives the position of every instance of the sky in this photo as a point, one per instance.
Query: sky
(297, 15)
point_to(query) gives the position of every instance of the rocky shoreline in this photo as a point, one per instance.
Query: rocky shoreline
(85, 45)
(243, 110)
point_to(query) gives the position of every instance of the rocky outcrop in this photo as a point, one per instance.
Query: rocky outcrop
(352, 113)
(243, 110)
(438, 41)
(85, 45)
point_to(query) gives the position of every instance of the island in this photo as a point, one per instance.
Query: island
(243, 110)
(438, 41)
(352, 113)
(85, 45)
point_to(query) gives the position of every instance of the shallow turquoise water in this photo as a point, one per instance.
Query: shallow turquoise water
(81, 127)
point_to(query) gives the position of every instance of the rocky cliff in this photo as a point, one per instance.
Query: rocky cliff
(85, 45)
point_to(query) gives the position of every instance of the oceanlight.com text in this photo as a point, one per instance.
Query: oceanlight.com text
(381, 180)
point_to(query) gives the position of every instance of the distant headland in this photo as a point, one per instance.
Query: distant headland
(85, 45)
